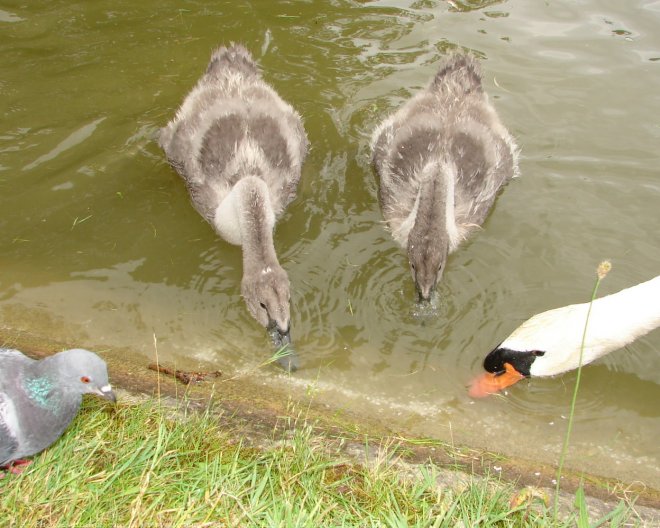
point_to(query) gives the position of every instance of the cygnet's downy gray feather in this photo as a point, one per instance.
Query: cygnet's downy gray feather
(39, 399)
(239, 148)
(441, 159)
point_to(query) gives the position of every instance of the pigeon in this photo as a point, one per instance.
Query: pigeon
(39, 399)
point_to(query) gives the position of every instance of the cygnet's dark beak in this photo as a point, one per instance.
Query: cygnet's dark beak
(424, 295)
(421, 299)
(287, 357)
(283, 338)
(107, 393)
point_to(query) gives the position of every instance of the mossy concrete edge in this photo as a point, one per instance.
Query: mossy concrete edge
(256, 412)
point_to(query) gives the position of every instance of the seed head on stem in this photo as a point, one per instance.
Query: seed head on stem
(603, 269)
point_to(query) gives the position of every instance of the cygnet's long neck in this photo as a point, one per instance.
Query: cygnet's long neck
(256, 220)
(434, 207)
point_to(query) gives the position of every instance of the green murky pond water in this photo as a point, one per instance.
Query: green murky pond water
(100, 247)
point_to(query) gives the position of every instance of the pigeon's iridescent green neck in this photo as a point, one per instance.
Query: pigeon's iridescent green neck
(40, 391)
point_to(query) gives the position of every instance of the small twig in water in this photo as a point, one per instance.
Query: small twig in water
(76, 221)
(182, 375)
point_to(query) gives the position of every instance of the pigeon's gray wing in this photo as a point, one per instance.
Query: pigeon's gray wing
(12, 362)
(11, 358)
(8, 430)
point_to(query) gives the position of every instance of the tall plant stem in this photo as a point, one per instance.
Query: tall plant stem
(571, 414)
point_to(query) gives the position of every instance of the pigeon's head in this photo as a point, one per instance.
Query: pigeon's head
(84, 372)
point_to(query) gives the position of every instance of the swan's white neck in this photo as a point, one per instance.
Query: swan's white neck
(245, 217)
(615, 321)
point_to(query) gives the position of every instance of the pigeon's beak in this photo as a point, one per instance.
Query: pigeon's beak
(107, 393)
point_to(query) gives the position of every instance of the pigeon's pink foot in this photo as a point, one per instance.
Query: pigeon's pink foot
(16, 467)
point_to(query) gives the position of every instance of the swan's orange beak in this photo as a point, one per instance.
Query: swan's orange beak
(490, 383)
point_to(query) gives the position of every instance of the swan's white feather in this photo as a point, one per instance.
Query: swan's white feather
(615, 321)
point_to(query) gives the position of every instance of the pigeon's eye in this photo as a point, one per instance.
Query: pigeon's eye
(85, 379)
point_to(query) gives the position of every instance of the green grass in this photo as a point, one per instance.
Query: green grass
(137, 465)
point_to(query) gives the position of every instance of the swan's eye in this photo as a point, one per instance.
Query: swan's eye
(85, 379)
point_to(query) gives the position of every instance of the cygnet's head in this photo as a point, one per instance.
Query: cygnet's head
(427, 258)
(267, 295)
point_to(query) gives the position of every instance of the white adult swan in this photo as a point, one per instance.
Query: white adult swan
(549, 343)
(239, 148)
(441, 159)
